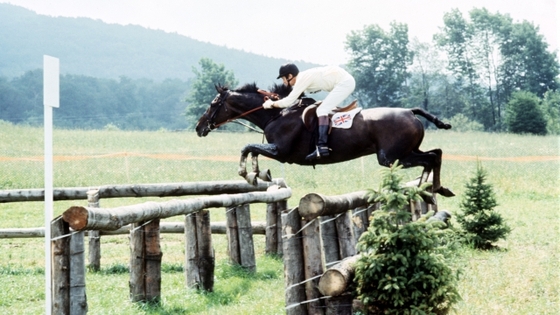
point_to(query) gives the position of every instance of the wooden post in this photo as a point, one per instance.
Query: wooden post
(136, 282)
(329, 239)
(145, 262)
(360, 222)
(78, 299)
(293, 263)
(60, 267)
(152, 261)
(271, 228)
(314, 262)
(246, 246)
(192, 274)
(345, 232)
(232, 233)
(93, 236)
(206, 261)
(199, 253)
(339, 305)
(280, 206)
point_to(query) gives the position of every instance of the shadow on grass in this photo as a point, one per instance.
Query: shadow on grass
(232, 282)
(117, 269)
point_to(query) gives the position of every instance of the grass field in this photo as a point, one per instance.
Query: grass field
(521, 277)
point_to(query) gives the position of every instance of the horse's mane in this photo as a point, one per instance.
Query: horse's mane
(247, 88)
(280, 89)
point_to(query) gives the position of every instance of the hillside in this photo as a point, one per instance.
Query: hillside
(97, 49)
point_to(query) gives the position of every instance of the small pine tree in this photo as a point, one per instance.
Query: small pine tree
(482, 224)
(404, 267)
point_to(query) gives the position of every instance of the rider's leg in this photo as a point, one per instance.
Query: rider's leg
(322, 149)
(340, 92)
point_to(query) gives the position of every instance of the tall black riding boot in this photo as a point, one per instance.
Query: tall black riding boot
(322, 147)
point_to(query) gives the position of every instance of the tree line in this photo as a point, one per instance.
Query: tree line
(481, 72)
(94, 103)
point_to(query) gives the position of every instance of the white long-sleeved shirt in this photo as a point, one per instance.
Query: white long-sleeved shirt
(314, 80)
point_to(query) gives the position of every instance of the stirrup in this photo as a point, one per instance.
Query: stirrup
(318, 153)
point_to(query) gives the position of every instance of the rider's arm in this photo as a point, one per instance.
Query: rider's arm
(301, 84)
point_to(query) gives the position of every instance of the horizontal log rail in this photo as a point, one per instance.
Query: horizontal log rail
(141, 190)
(88, 218)
(218, 227)
(314, 205)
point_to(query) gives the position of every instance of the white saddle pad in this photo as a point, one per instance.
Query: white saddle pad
(344, 120)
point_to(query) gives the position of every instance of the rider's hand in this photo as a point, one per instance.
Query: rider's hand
(268, 104)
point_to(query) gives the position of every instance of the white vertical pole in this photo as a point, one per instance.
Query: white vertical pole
(51, 99)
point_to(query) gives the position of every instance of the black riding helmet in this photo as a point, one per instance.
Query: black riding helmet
(288, 68)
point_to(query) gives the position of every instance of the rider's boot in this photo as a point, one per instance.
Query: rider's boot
(322, 149)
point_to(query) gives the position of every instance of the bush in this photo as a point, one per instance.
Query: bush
(461, 123)
(482, 224)
(404, 266)
(523, 114)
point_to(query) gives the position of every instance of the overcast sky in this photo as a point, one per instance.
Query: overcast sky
(310, 30)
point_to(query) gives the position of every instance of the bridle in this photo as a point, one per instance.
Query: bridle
(222, 99)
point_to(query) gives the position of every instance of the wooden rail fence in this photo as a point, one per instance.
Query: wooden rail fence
(319, 244)
(145, 258)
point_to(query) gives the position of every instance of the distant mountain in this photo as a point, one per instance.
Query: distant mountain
(97, 49)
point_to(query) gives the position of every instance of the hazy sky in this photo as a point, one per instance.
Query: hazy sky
(310, 30)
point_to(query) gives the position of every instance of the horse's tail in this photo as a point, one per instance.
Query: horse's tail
(431, 118)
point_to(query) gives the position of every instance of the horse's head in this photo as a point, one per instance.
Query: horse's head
(215, 114)
(230, 105)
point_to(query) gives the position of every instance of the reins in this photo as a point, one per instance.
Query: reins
(267, 95)
(237, 117)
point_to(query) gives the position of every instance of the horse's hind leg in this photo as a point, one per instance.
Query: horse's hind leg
(431, 161)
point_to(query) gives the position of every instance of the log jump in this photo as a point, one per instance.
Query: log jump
(319, 246)
(143, 222)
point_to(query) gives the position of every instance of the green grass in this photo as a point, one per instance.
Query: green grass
(522, 277)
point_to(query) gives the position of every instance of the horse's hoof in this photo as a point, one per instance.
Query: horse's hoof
(251, 178)
(242, 172)
(265, 175)
(446, 192)
(431, 200)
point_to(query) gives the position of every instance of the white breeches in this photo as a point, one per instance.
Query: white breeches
(341, 91)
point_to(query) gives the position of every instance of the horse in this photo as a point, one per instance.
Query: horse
(390, 133)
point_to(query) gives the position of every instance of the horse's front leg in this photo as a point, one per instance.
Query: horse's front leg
(268, 150)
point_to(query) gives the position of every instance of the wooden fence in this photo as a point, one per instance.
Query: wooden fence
(142, 222)
(145, 257)
(319, 245)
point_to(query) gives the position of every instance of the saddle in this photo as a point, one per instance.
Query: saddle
(309, 116)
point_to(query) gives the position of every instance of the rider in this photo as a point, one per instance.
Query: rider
(332, 79)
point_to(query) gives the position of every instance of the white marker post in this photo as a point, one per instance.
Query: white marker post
(51, 98)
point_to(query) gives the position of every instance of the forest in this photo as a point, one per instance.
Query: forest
(482, 71)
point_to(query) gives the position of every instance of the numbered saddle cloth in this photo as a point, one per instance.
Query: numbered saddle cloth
(344, 120)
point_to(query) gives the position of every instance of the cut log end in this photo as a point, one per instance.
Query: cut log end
(311, 206)
(77, 217)
(332, 283)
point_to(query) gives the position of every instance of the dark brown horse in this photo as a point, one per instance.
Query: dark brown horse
(391, 133)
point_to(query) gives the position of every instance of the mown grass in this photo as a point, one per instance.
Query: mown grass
(521, 277)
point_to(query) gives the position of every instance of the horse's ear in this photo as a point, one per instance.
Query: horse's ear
(218, 88)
